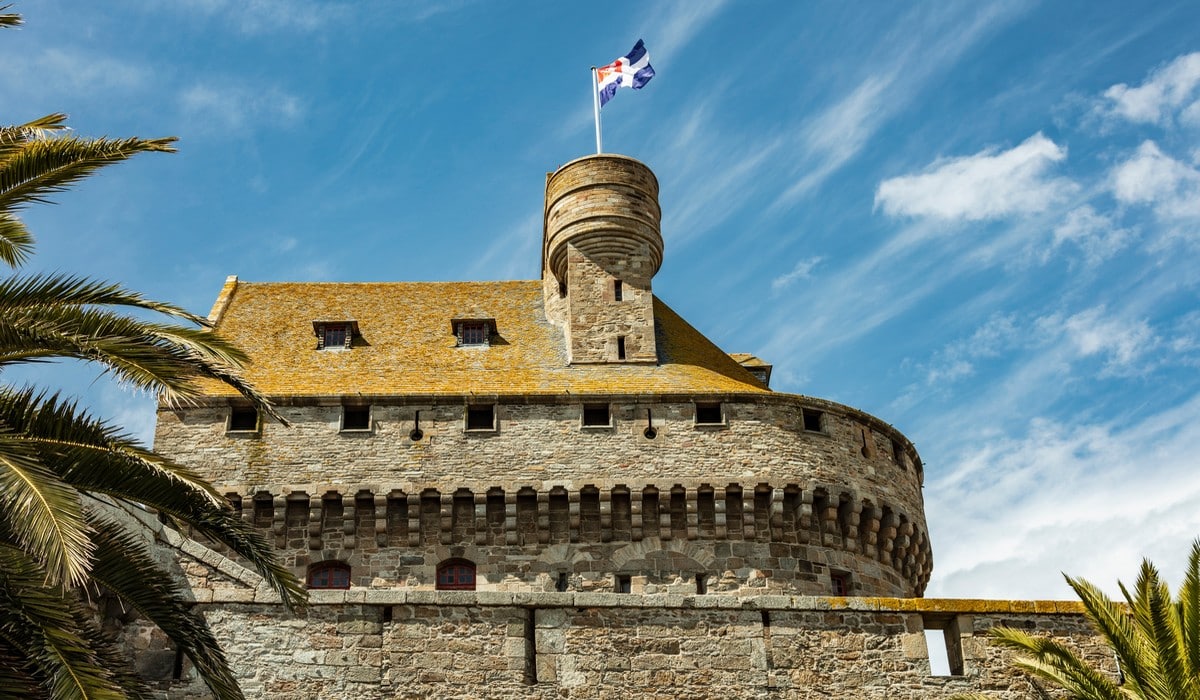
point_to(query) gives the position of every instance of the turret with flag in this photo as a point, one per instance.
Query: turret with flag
(632, 70)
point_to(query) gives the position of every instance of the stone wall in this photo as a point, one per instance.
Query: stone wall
(418, 644)
(602, 226)
(756, 502)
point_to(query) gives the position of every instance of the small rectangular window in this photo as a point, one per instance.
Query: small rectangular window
(617, 291)
(473, 333)
(620, 347)
(334, 337)
(709, 414)
(840, 582)
(812, 420)
(701, 584)
(561, 584)
(624, 583)
(243, 420)
(596, 416)
(356, 418)
(481, 417)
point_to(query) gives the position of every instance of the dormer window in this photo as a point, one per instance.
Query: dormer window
(335, 335)
(474, 332)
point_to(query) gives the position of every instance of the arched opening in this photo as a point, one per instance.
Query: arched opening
(456, 575)
(329, 574)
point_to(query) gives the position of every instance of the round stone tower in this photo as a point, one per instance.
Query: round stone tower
(601, 247)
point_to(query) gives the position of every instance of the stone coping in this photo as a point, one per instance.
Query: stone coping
(393, 596)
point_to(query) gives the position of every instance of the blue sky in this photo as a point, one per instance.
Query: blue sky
(978, 221)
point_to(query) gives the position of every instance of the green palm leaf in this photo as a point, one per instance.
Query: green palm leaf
(42, 621)
(42, 513)
(125, 567)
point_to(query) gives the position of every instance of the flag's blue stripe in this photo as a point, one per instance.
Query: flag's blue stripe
(639, 50)
(609, 90)
(642, 77)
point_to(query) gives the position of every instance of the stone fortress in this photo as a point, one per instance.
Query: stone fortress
(559, 488)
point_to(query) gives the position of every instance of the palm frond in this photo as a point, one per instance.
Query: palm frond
(91, 455)
(126, 568)
(42, 513)
(1189, 614)
(44, 622)
(49, 165)
(16, 242)
(10, 19)
(167, 358)
(41, 291)
(1051, 660)
(1118, 629)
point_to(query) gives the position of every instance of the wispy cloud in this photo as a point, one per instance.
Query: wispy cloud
(1168, 90)
(268, 16)
(802, 270)
(1053, 486)
(986, 185)
(1095, 234)
(238, 106)
(72, 72)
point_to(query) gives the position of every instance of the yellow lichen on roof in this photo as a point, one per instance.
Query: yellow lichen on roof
(407, 347)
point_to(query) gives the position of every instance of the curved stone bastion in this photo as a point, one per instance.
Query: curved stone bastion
(756, 503)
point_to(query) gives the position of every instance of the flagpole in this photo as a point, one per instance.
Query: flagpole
(596, 107)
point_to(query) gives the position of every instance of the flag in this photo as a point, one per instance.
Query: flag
(631, 70)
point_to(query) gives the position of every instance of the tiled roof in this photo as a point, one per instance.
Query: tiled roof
(407, 346)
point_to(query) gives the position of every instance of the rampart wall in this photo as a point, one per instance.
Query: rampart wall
(756, 502)
(435, 644)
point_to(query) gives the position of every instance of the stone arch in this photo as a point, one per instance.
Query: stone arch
(640, 556)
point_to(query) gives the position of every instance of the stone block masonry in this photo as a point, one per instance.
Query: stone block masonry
(429, 644)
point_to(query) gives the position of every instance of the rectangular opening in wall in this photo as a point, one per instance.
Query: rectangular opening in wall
(701, 584)
(624, 583)
(560, 584)
(839, 583)
(596, 415)
(709, 414)
(243, 420)
(943, 639)
(481, 417)
(620, 347)
(356, 418)
(813, 420)
(618, 293)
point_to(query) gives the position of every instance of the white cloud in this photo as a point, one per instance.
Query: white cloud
(987, 185)
(1152, 177)
(1167, 89)
(1095, 234)
(236, 107)
(1091, 333)
(802, 270)
(1067, 497)
(70, 72)
(841, 131)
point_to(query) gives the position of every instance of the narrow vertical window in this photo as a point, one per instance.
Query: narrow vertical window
(561, 584)
(617, 291)
(840, 583)
(620, 347)
(624, 583)
(701, 584)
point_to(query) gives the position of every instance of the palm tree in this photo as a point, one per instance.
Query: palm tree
(74, 490)
(1156, 641)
